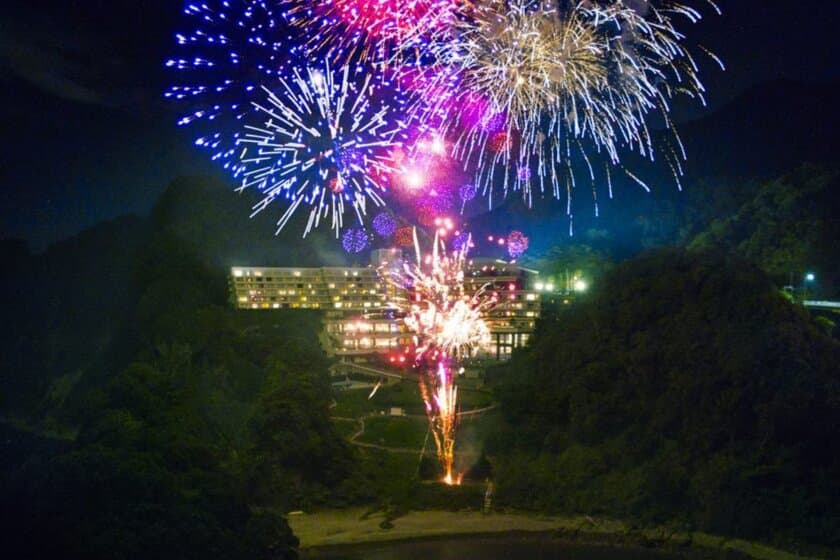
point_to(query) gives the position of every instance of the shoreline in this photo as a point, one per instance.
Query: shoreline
(336, 529)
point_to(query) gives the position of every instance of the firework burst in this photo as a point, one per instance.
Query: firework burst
(447, 319)
(355, 240)
(517, 243)
(322, 140)
(235, 47)
(568, 85)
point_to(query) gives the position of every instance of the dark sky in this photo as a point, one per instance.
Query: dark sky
(87, 135)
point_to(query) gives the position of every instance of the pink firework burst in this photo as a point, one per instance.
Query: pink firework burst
(369, 30)
(517, 244)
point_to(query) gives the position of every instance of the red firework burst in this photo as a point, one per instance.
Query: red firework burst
(404, 237)
(499, 142)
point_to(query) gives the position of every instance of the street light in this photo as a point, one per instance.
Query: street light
(806, 288)
(580, 285)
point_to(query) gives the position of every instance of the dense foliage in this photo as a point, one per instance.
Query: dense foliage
(187, 426)
(685, 388)
(788, 227)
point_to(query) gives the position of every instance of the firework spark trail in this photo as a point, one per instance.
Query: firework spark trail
(567, 85)
(322, 140)
(368, 31)
(234, 47)
(441, 407)
(448, 327)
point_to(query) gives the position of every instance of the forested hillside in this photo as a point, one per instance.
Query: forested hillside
(685, 389)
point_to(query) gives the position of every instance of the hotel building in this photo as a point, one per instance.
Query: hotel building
(359, 318)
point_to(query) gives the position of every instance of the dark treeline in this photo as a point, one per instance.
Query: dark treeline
(685, 390)
(181, 427)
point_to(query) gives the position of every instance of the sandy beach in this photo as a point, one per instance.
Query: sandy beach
(352, 526)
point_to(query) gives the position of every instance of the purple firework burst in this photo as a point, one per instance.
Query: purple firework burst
(384, 224)
(355, 240)
(460, 241)
(467, 192)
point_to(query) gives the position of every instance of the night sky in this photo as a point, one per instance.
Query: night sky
(88, 136)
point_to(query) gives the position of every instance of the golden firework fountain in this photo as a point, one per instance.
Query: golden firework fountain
(449, 326)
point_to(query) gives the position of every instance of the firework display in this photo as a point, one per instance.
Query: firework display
(384, 224)
(461, 241)
(517, 244)
(526, 94)
(319, 141)
(367, 31)
(467, 192)
(235, 48)
(404, 237)
(448, 324)
(409, 109)
(523, 86)
(355, 240)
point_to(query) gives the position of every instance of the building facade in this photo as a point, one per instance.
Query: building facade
(359, 316)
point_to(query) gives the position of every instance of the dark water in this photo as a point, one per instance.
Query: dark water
(496, 548)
